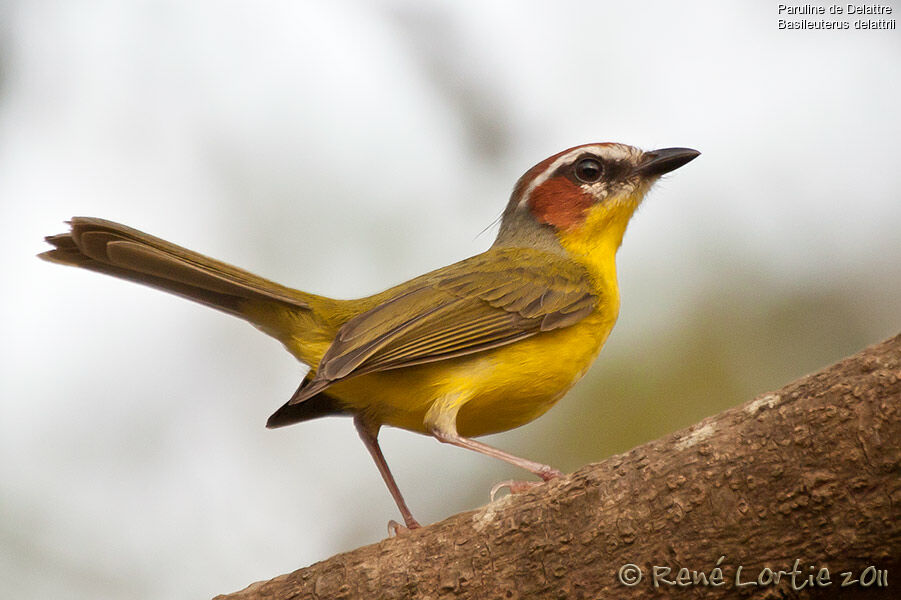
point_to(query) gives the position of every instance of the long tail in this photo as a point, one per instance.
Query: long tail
(127, 253)
(130, 254)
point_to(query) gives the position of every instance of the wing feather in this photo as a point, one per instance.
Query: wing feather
(482, 303)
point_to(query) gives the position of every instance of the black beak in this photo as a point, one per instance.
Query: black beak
(658, 162)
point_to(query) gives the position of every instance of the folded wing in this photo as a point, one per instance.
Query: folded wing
(470, 307)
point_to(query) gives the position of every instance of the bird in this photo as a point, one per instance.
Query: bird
(484, 345)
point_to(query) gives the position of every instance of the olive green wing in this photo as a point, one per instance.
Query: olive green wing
(481, 303)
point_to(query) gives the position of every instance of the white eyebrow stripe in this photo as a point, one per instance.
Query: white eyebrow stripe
(614, 151)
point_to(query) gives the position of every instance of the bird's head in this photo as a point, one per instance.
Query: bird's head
(582, 198)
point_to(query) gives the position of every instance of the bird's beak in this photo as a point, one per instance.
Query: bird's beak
(657, 162)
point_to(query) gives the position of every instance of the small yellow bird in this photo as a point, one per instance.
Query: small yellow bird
(481, 346)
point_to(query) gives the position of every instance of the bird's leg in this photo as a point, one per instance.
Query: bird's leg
(449, 435)
(369, 435)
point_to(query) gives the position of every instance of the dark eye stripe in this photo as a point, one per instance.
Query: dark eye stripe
(612, 170)
(569, 169)
(617, 170)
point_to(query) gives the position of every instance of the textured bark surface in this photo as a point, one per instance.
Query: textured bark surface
(811, 472)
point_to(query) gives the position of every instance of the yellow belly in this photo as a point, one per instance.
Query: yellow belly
(494, 390)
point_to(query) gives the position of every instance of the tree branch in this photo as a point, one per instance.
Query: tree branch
(811, 472)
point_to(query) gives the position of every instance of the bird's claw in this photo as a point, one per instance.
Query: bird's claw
(515, 487)
(395, 529)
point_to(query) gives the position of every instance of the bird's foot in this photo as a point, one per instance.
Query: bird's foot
(395, 529)
(517, 487)
(514, 486)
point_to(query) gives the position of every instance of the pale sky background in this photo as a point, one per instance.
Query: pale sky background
(342, 147)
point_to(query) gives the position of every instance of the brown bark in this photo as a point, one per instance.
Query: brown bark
(810, 472)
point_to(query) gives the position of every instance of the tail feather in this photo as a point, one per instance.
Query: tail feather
(127, 253)
(130, 254)
(319, 405)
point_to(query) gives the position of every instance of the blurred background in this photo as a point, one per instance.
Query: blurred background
(342, 147)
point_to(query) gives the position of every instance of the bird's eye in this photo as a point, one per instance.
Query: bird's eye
(588, 170)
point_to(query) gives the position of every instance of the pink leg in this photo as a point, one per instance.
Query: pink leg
(369, 435)
(452, 437)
